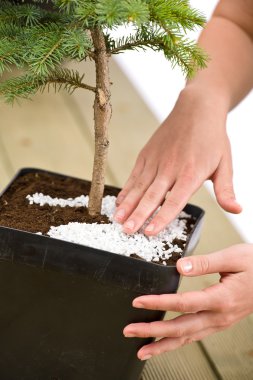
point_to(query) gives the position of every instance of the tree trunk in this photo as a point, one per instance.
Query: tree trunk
(102, 115)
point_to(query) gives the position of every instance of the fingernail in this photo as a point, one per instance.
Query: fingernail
(146, 357)
(186, 266)
(137, 304)
(129, 335)
(237, 203)
(129, 225)
(150, 227)
(120, 214)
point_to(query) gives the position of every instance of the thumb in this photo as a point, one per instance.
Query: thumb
(223, 187)
(225, 261)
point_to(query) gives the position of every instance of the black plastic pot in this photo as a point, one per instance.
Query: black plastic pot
(64, 306)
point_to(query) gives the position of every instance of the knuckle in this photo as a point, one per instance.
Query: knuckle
(129, 205)
(222, 308)
(162, 181)
(189, 167)
(151, 197)
(227, 305)
(188, 341)
(167, 166)
(178, 332)
(219, 320)
(225, 320)
(188, 177)
(172, 203)
(159, 302)
(122, 193)
(139, 185)
(181, 304)
(161, 220)
(147, 330)
(133, 177)
(204, 264)
(158, 351)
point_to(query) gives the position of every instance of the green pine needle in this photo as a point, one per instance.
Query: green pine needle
(39, 40)
(25, 86)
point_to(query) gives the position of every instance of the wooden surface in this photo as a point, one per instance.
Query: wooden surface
(54, 132)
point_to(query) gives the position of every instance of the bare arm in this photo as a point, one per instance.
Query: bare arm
(191, 145)
(228, 39)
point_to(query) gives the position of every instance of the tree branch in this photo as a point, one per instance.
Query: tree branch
(72, 83)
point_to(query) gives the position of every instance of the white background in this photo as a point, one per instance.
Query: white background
(159, 86)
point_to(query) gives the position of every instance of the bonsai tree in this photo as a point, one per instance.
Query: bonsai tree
(38, 36)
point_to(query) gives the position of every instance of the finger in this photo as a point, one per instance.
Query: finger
(170, 344)
(134, 195)
(178, 327)
(188, 302)
(225, 261)
(136, 172)
(151, 200)
(223, 186)
(183, 188)
(215, 298)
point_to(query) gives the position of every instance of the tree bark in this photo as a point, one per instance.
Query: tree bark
(102, 115)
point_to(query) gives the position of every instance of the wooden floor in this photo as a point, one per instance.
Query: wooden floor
(55, 132)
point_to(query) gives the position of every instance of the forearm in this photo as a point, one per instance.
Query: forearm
(192, 145)
(229, 75)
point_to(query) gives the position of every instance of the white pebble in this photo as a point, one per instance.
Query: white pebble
(109, 237)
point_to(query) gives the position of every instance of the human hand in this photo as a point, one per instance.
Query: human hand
(204, 312)
(188, 148)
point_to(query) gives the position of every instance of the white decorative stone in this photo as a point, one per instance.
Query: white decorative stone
(110, 237)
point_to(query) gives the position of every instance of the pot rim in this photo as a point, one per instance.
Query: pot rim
(44, 238)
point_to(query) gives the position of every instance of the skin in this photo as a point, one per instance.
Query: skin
(204, 312)
(189, 147)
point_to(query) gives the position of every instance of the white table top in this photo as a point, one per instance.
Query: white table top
(159, 86)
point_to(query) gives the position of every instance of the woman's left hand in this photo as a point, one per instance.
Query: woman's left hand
(204, 312)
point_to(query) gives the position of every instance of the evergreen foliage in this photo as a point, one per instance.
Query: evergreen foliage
(38, 40)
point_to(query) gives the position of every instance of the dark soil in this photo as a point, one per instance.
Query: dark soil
(14, 205)
(16, 212)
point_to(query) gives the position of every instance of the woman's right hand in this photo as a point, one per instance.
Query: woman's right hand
(189, 147)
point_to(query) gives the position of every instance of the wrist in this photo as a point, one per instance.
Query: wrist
(201, 102)
(205, 96)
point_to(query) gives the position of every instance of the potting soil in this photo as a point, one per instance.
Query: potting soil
(25, 207)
